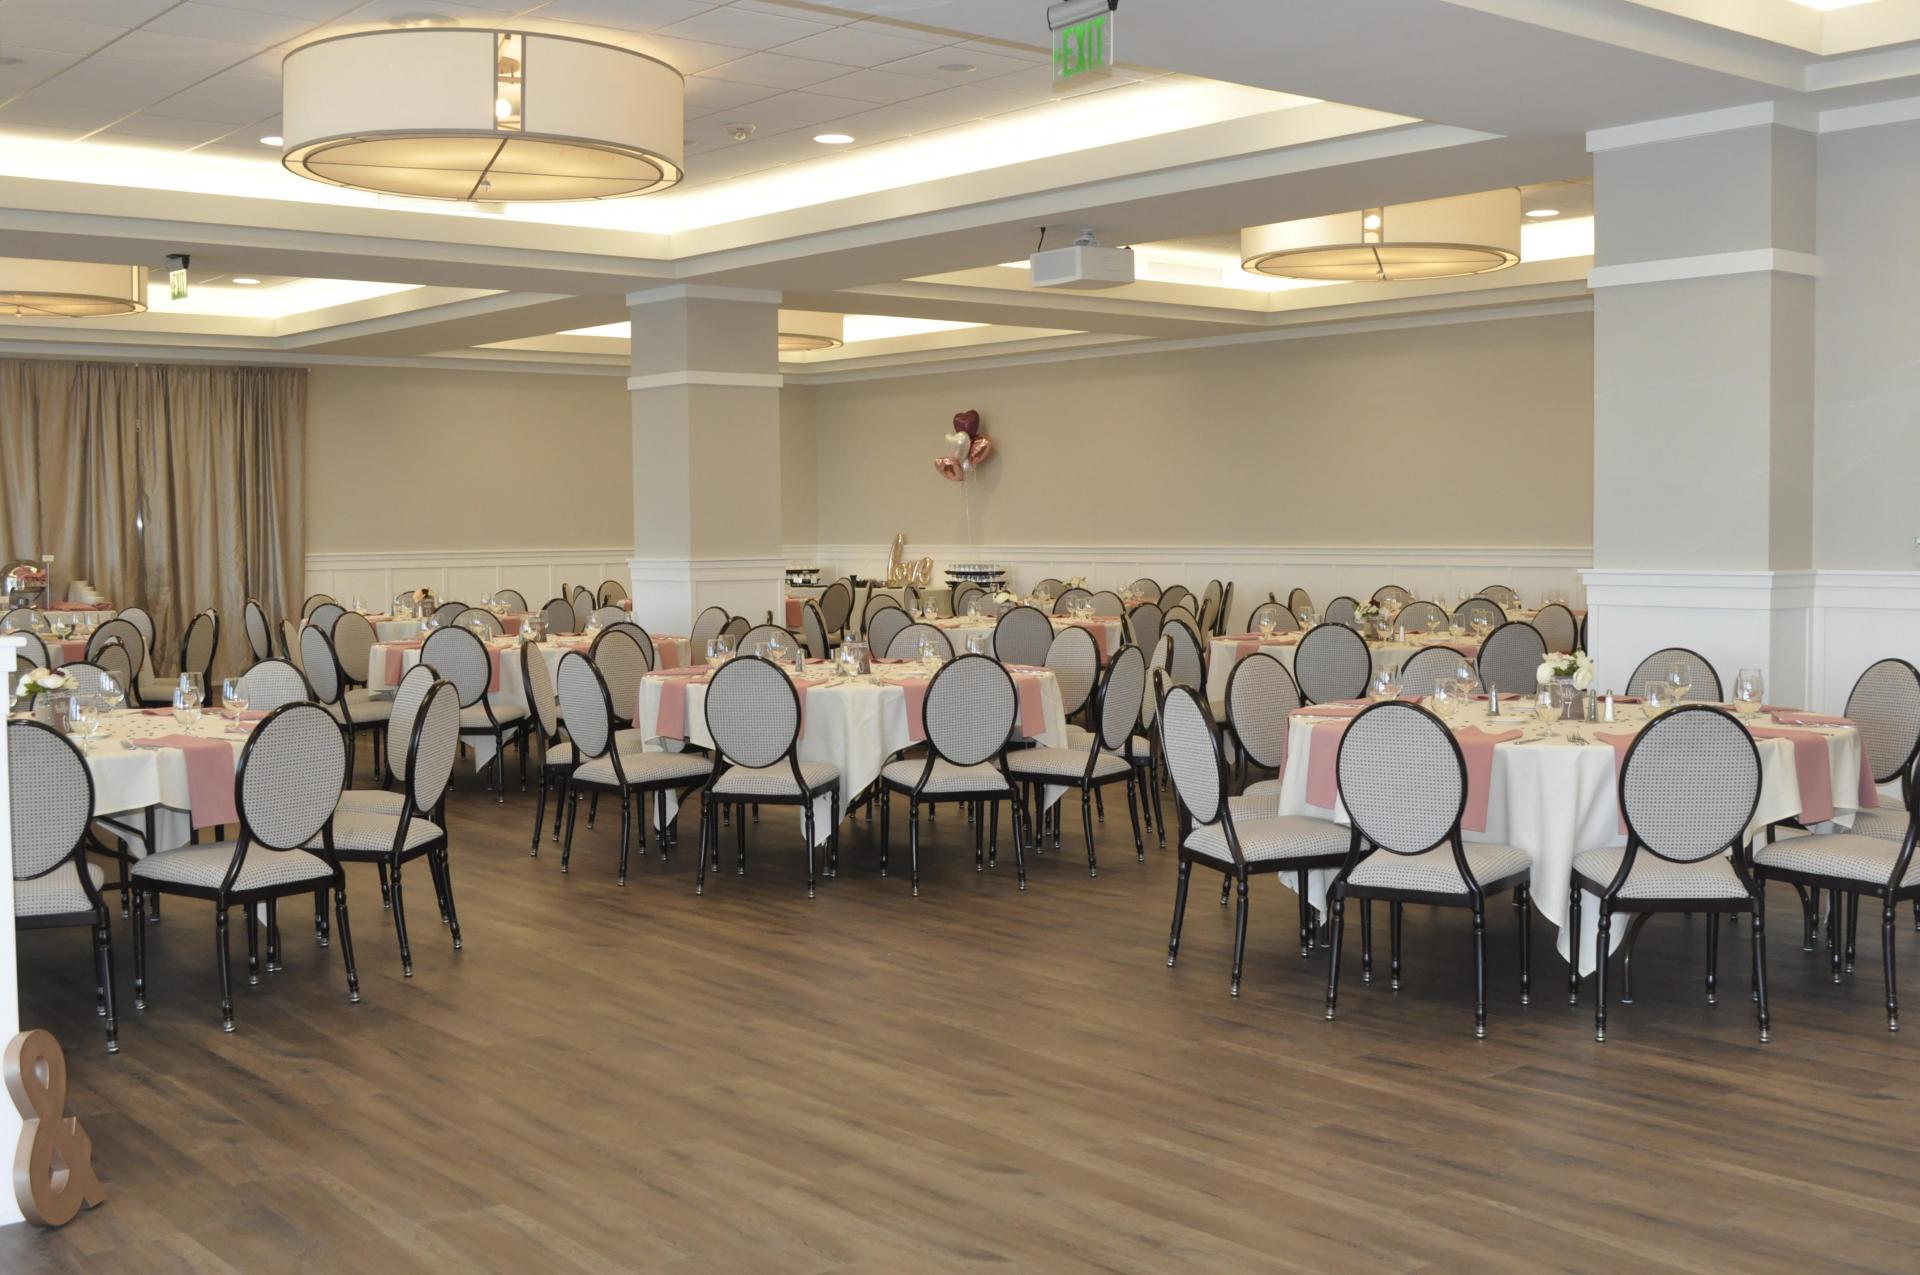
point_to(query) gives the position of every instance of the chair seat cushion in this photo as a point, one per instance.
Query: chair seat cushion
(645, 768)
(205, 867)
(370, 801)
(775, 780)
(1254, 805)
(1887, 825)
(362, 707)
(475, 717)
(560, 752)
(1267, 837)
(1849, 856)
(1657, 878)
(57, 893)
(946, 777)
(367, 830)
(1434, 871)
(1079, 738)
(1069, 763)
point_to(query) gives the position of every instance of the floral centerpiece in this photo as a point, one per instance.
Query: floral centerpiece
(1006, 597)
(1576, 668)
(38, 682)
(1075, 582)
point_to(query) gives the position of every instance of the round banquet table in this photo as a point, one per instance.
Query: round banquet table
(1553, 798)
(1109, 632)
(1225, 652)
(856, 724)
(391, 660)
(133, 780)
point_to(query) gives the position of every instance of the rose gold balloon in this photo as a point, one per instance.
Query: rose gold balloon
(947, 467)
(981, 449)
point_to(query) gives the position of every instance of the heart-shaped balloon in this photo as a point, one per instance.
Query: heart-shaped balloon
(947, 467)
(967, 422)
(957, 444)
(981, 449)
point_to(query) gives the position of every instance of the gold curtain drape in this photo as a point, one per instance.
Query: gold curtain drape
(173, 487)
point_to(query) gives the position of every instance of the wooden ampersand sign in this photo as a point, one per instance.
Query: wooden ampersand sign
(53, 1169)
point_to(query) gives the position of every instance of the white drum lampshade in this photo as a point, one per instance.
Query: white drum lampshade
(1433, 239)
(803, 330)
(506, 116)
(31, 289)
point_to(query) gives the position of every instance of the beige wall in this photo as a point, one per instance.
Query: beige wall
(799, 473)
(402, 459)
(1455, 434)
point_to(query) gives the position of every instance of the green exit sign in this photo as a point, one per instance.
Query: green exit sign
(1083, 48)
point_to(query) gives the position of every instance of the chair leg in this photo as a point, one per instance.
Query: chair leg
(704, 838)
(1307, 927)
(346, 940)
(1809, 915)
(626, 833)
(913, 842)
(1086, 822)
(1713, 958)
(993, 833)
(1339, 903)
(1601, 946)
(220, 954)
(386, 888)
(740, 841)
(1394, 912)
(1573, 928)
(1479, 968)
(1179, 909)
(1636, 923)
(561, 788)
(322, 932)
(1886, 959)
(883, 797)
(540, 811)
(1760, 963)
(1526, 944)
(1133, 815)
(446, 883)
(1226, 890)
(1366, 940)
(274, 951)
(500, 769)
(103, 974)
(593, 808)
(400, 924)
(139, 950)
(977, 818)
(806, 830)
(1239, 929)
(1837, 932)
(253, 945)
(1853, 927)
(573, 814)
(1099, 806)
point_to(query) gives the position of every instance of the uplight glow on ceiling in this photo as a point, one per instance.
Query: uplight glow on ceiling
(859, 327)
(267, 301)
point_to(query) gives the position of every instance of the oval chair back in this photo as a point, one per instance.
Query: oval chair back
(512, 599)
(291, 774)
(325, 614)
(1885, 705)
(1107, 602)
(606, 615)
(259, 632)
(1479, 608)
(273, 683)
(1071, 598)
(199, 644)
(1283, 621)
(558, 616)
(1192, 750)
(645, 639)
(1426, 666)
(471, 616)
(1022, 636)
(766, 634)
(885, 624)
(290, 642)
(541, 696)
(407, 698)
(1414, 616)
(906, 643)
(52, 802)
(313, 600)
(1299, 600)
(1260, 696)
(736, 628)
(612, 593)
(622, 664)
(1331, 663)
(813, 627)
(114, 659)
(433, 742)
(1558, 628)
(585, 705)
(461, 658)
(1341, 610)
(1688, 787)
(1501, 595)
(836, 604)
(322, 669)
(1121, 696)
(353, 647)
(1176, 595)
(127, 636)
(1074, 659)
(1702, 682)
(1510, 658)
(1403, 779)
(706, 626)
(1188, 666)
(753, 714)
(1144, 623)
(969, 711)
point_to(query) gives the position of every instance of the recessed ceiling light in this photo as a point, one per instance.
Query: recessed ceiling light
(245, 280)
(273, 139)
(1543, 212)
(959, 68)
(833, 139)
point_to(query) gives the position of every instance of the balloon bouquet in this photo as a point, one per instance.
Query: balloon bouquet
(967, 446)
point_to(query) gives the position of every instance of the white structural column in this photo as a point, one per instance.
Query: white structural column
(10, 1122)
(1703, 284)
(706, 454)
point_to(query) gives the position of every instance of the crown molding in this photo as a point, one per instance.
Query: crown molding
(1707, 266)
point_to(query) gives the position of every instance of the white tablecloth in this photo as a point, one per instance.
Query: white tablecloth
(128, 780)
(1556, 799)
(858, 726)
(1224, 653)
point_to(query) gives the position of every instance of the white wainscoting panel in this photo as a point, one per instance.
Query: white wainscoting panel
(463, 575)
(1736, 619)
(1324, 571)
(669, 592)
(1860, 617)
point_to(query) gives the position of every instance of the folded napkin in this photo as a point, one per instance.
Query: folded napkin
(1033, 714)
(1477, 746)
(210, 764)
(1794, 717)
(686, 670)
(394, 659)
(916, 693)
(156, 712)
(672, 720)
(1323, 752)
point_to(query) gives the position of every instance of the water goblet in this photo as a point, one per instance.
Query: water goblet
(112, 693)
(1266, 625)
(1679, 679)
(233, 701)
(1749, 689)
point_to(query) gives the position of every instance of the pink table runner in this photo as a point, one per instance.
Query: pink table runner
(1811, 764)
(1245, 644)
(209, 775)
(671, 722)
(1477, 746)
(66, 650)
(796, 610)
(81, 606)
(1323, 785)
(1097, 626)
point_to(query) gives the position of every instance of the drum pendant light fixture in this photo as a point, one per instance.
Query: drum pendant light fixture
(804, 330)
(495, 116)
(31, 289)
(1434, 239)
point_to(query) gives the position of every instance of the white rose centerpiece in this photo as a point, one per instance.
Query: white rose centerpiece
(1576, 668)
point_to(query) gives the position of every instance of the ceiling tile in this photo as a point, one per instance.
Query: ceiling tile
(806, 108)
(743, 28)
(721, 95)
(625, 15)
(1003, 49)
(777, 70)
(874, 86)
(689, 57)
(161, 128)
(110, 13)
(806, 12)
(34, 66)
(57, 35)
(39, 133)
(987, 65)
(714, 133)
(318, 10)
(243, 26)
(861, 44)
(83, 119)
(971, 101)
(154, 48)
(101, 72)
(221, 103)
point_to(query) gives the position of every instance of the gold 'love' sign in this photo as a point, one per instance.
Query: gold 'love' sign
(53, 1167)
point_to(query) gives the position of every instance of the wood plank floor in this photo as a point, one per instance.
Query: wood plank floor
(614, 1079)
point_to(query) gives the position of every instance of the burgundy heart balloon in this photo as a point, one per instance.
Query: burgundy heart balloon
(967, 422)
(981, 449)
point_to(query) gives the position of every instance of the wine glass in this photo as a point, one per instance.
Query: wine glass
(186, 704)
(112, 693)
(1749, 690)
(233, 701)
(197, 684)
(1386, 683)
(1306, 618)
(1658, 698)
(719, 649)
(1679, 679)
(1266, 625)
(1434, 620)
(1481, 625)
(1547, 710)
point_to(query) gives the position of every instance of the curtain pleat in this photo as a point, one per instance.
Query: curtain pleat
(176, 488)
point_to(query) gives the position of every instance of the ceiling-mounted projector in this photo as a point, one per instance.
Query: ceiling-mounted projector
(1083, 265)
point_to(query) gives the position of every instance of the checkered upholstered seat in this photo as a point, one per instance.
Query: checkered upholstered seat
(371, 801)
(775, 780)
(560, 752)
(1657, 878)
(58, 893)
(373, 831)
(1268, 837)
(1254, 805)
(1887, 825)
(1842, 854)
(645, 768)
(1068, 762)
(205, 866)
(1434, 872)
(363, 707)
(946, 776)
(474, 717)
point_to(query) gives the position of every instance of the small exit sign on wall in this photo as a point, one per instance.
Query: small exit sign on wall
(1082, 39)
